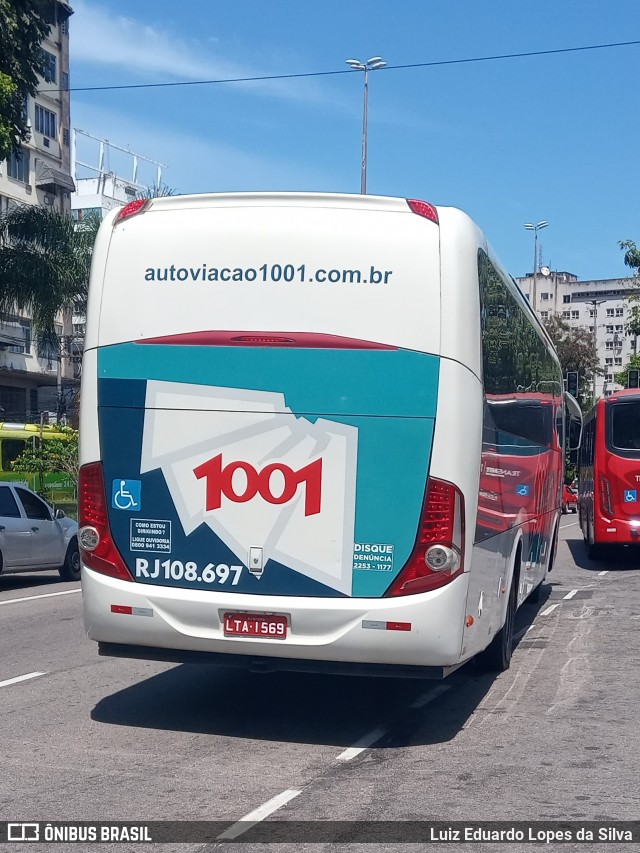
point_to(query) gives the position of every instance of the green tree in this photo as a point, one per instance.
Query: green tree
(44, 264)
(23, 26)
(622, 378)
(632, 260)
(576, 351)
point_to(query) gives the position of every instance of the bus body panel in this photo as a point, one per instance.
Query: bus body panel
(371, 440)
(341, 629)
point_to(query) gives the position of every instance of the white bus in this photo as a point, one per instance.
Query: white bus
(318, 432)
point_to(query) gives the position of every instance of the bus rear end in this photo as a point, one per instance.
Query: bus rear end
(616, 515)
(259, 403)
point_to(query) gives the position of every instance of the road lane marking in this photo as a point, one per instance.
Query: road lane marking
(601, 574)
(548, 610)
(570, 594)
(524, 631)
(258, 814)
(573, 524)
(364, 743)
(46, 595)
(20, 678)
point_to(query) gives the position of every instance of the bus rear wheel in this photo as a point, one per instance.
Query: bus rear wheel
(497, 656)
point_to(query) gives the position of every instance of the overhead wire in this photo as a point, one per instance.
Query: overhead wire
(270, 77)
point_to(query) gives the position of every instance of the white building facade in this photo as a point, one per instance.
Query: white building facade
(600, 306)
(32, 379)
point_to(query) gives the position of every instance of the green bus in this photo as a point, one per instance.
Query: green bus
(57, 487)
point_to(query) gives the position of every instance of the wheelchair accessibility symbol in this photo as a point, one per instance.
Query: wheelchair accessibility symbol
(125, 494)
(630, 496)
(522, 489)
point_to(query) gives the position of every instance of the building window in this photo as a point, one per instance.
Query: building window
(49, 69)
(609, 377)
(618, 328)
(608, 361)
(608, 345)
(592, 313)
(46, 122)
(545, 295)
(566, 315)
(592, 329)
(619, 312)
(575, 315)
(18, 165)
(544, 315)
(609, 312)
(619, 362)
(566, 297)
(609, 330)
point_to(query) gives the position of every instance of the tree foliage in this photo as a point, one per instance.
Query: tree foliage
(632, 260)
(44, 263)
(55, 455)
(23, 26)
(622, 378)
(576, 350)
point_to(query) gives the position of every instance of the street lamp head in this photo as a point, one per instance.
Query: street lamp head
(531, 227)
(376, 65)
(355, 64)
(374, 59)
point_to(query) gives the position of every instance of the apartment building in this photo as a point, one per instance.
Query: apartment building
(32, 379)
(600, 306)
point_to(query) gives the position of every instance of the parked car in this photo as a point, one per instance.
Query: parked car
(569, 500)
(34, 537)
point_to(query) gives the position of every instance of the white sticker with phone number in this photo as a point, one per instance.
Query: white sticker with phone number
(176, 570)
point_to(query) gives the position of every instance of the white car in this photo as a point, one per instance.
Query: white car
(34, 537)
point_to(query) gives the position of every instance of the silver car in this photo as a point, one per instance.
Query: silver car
(33, 537)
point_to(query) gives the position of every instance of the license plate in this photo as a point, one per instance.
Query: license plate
(254, 625)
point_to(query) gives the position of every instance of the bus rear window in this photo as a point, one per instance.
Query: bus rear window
(624, 427)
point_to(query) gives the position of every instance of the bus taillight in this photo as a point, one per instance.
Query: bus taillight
(94, 536)
(605, 496)
(438, 556)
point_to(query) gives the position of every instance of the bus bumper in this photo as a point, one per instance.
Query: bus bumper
(130, 619)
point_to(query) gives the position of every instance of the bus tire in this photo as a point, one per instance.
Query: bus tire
(70, 569)
(594, 550)
(497, 656)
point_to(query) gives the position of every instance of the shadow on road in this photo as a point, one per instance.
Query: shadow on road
(27, 581)
(614, 558)
(301, 707)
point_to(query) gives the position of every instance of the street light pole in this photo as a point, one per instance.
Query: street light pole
(595, 303)
(370, 65)
(535, 228)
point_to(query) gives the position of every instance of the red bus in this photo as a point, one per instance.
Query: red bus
(609, 478)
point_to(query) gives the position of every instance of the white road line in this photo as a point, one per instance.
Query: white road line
(570, 594)
(601, 574)
(523, 632)
(573, 524)
(548, 610)
(364, 742)
(20, 678)
(423, 700)
(46, 595)
(258, 814)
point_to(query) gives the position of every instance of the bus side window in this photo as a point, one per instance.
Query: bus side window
(11, 449)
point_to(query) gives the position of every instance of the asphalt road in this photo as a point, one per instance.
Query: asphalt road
(554, 738)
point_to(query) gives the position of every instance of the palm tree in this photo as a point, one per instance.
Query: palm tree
(44, 264)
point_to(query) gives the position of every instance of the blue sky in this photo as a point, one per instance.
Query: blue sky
(509, 141)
